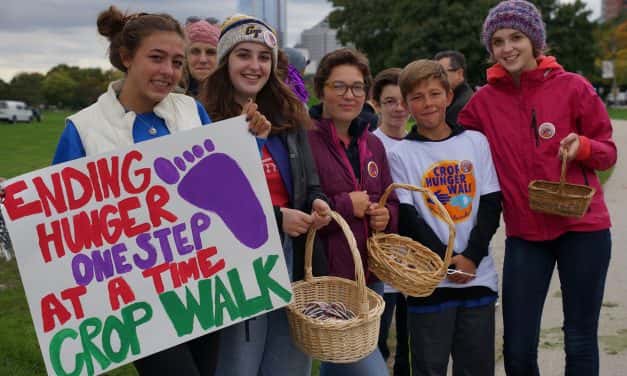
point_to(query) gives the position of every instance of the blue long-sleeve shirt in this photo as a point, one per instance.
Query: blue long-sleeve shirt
(70, 146)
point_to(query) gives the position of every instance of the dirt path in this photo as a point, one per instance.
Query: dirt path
(613, 323)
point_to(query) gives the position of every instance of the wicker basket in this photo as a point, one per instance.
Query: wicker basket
(404, 263)
(336, 341)
(560, 198)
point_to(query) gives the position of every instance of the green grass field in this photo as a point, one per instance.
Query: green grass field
(27, 147)
(618, 113)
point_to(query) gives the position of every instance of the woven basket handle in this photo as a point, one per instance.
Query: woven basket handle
(441, 210)
(362, 292)
(563, 174)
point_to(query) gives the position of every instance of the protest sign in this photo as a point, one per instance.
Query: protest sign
(132, 252)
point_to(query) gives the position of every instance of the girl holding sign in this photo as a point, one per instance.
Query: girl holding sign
(150, 50)
(246, 71)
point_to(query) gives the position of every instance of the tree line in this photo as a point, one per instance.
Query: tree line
(391, 33)
(62, 86)
(394, 33)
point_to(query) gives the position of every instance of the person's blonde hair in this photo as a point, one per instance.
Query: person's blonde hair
(420, 71)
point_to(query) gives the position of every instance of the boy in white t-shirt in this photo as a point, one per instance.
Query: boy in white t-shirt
(456, 165)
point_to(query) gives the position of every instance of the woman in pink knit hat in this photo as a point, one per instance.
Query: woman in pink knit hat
(202, 41)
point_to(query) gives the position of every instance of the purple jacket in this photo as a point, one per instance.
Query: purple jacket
(337, 180)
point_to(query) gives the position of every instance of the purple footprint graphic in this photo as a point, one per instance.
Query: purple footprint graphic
(217, 184)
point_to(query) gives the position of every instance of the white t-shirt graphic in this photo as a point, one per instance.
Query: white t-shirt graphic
(458, 170)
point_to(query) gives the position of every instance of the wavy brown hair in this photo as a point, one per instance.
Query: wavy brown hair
(276, 100)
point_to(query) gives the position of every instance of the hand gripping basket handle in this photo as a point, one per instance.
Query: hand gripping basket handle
(441, 211)
(364, 307)
(563, 174)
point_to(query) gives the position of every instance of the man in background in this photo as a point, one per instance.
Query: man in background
(454, 63)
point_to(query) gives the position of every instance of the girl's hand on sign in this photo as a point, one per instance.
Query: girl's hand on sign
(466, 266)
(569, 145)
(257, 123)
(320, 214)
(379, 217)
(295, 222)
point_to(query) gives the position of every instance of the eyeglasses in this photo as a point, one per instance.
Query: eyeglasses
(341, 88)
(193, 19)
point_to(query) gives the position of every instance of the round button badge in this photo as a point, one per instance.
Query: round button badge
(546, 130)
(373, 169)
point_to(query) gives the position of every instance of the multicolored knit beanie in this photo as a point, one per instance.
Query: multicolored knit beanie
(242, 28)
(515, 14)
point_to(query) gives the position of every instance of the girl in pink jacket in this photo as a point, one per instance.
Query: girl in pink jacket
(531, 112)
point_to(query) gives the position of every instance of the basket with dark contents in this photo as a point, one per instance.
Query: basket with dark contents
(406, 264)
(335, 319)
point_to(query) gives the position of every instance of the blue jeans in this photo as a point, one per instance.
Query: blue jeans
(372, 365)
(261, 346)
(582, 261)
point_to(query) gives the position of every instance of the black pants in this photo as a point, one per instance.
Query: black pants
(465, 333)
(194, 358)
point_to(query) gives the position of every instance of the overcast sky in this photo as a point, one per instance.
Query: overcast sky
(36, 35)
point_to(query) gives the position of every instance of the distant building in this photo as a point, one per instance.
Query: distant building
(611, 9)
(271, 11)
(319, 40)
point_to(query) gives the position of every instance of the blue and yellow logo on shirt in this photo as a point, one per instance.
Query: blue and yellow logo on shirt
(453, 183)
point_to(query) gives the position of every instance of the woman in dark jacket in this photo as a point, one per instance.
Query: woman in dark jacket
(353, 172)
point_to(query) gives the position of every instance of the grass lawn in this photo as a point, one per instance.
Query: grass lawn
(604, 175)
(617, 113)
(27, 147)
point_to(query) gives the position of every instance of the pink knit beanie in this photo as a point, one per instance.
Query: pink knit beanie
(202, 31)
